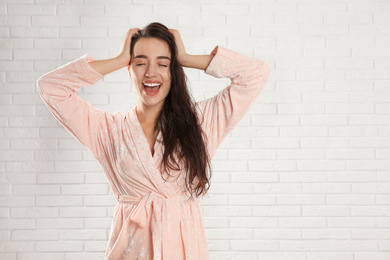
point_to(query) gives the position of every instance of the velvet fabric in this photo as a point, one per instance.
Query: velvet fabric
(154, 219)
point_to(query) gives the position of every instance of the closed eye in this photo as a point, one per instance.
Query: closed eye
(140, 64)
(164, 65)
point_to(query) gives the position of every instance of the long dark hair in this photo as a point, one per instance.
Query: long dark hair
(178, 121)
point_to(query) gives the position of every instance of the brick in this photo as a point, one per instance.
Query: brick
(215, 199)
(298, 19)
(303, 222)
(371, 233)
(17, 224)
(218, 245)
(278, 188)
(175, 9)
(350, 199)
(253, 199)
(59, 201)
(95, 246)
(326, 233)
(62, 246)
(321, 7)
(82, 256)
(232, 255)
(60, 223)
(277, 233)
(254, 177)
(216, 222)
(229, 233)
(304, 245)
(351, 222)
(52, 21)
(281, 211)
(35, 189)
(10, 256)
(330, 255)
(303, 176)
(61, 178)
(226, 9)
(254, 245)
(370, 210)
(320, 210)
(40, 256)
(371, 255)
(272, 165)
(326, 187)
(306, 199)
(268, 8)
(230, 211)
(31, 9)
(34, 235)
(15, 246)
(82, 212)
(253, 222)
(75, 234)
(34, 213)
(31, 32)
(353, 245)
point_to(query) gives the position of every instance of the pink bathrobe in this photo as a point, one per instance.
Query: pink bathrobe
(153, 218)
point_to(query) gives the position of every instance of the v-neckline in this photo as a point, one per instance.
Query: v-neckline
(145, 140)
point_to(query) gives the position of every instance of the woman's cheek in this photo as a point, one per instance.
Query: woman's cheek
(164, 71)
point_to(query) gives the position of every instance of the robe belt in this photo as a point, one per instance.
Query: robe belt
(141, 213)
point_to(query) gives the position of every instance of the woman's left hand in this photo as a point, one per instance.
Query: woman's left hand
(187, 60)
(182, 54)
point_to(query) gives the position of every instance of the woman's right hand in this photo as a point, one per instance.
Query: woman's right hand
(124, 52)
(107, 66)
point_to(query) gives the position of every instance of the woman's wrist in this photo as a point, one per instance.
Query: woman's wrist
(122, 61)
(197, 61)
(105, 67)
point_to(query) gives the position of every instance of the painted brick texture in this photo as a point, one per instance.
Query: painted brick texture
(304, 176)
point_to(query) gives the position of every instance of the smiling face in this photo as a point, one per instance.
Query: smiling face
(150, 72)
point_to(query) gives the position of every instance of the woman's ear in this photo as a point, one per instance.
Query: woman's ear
(128, 71)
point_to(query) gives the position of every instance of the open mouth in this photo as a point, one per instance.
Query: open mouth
(151, 88)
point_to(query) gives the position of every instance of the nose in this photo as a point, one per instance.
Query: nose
(150, 72)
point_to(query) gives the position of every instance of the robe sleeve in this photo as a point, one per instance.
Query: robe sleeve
(222, 112)
(58, 90)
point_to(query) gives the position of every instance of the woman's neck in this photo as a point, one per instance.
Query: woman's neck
(147, 115)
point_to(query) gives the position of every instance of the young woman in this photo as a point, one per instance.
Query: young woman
(157, 155)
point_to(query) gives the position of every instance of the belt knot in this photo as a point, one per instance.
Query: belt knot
(140, 214)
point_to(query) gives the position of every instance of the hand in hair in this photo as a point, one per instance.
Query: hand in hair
(107, 66)
(186, 60)
(124, 52)
(181, 51)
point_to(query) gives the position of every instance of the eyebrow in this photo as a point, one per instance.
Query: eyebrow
(144, 57)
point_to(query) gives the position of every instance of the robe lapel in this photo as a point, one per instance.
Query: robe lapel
(150, 163)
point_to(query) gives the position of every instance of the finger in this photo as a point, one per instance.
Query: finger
(173, 32)
(134, 31)
(130, 33)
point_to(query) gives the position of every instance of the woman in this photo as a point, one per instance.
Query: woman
(156, 156)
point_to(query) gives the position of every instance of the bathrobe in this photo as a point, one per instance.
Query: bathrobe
(155, 218)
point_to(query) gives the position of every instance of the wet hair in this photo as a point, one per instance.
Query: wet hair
(183, 137)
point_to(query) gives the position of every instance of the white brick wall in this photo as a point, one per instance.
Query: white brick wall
(304, 176)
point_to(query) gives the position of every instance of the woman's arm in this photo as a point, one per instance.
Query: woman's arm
(200, 62)
(222, 112)
(58, 90)
(105, 67)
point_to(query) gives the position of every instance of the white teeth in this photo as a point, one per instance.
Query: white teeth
(152, 84)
